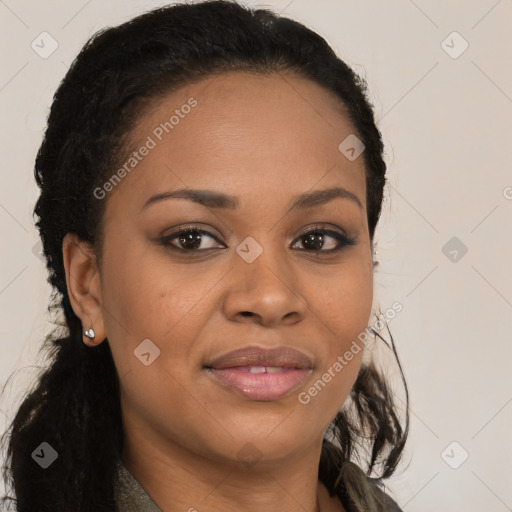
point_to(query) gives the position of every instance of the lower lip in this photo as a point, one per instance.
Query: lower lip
(260, 386)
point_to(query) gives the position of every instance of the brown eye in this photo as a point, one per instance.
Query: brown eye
(317, 239)
(190, 239)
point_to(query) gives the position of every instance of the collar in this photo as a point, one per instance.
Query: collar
(129, 493)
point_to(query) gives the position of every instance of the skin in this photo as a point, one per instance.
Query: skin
(264, 139)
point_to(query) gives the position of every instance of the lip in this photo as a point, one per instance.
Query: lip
(232, 370)
(285, 357)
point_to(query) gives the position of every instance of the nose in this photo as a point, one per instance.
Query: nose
(265, 292)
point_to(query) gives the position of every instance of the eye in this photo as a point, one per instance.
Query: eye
(189, 239)
(195, 239)
(317, 238)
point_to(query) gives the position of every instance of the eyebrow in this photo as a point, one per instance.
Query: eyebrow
(212, 199)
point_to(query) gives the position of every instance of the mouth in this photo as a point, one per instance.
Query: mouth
(261, 374)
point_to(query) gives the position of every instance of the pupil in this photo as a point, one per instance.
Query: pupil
(309, 240)
(193, 237)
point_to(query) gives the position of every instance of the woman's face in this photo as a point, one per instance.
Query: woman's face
(251, 278)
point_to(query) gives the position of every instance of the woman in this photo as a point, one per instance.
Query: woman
(211, 179)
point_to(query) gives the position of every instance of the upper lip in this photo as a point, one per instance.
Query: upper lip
(285, 357)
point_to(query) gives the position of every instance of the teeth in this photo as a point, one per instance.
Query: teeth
(257, 369)
(265, 369)
(274, 369)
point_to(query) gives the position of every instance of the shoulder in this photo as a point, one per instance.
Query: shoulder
(364, 494)
(130, 496)
(385, 502)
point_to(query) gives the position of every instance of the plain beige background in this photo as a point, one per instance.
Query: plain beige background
(443, 242)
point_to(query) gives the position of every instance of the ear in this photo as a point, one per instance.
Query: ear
(83, 285)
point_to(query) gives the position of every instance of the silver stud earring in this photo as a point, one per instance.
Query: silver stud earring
(90, 333)
(375, 260)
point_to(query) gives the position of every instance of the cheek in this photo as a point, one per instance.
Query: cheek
(343, 307)
(146, 297)
(343, 310)
(343, 302)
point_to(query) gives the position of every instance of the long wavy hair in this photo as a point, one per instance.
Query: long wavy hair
(75, 404)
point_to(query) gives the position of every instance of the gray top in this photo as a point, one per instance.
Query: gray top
(129, 493)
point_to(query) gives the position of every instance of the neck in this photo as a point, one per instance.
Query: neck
(177, 480)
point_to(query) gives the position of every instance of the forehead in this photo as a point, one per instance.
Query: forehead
(242, 134)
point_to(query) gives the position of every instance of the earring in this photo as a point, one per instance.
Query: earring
(90, 333)
(375, 260)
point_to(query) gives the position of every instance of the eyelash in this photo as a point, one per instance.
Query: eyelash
(343, 240)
